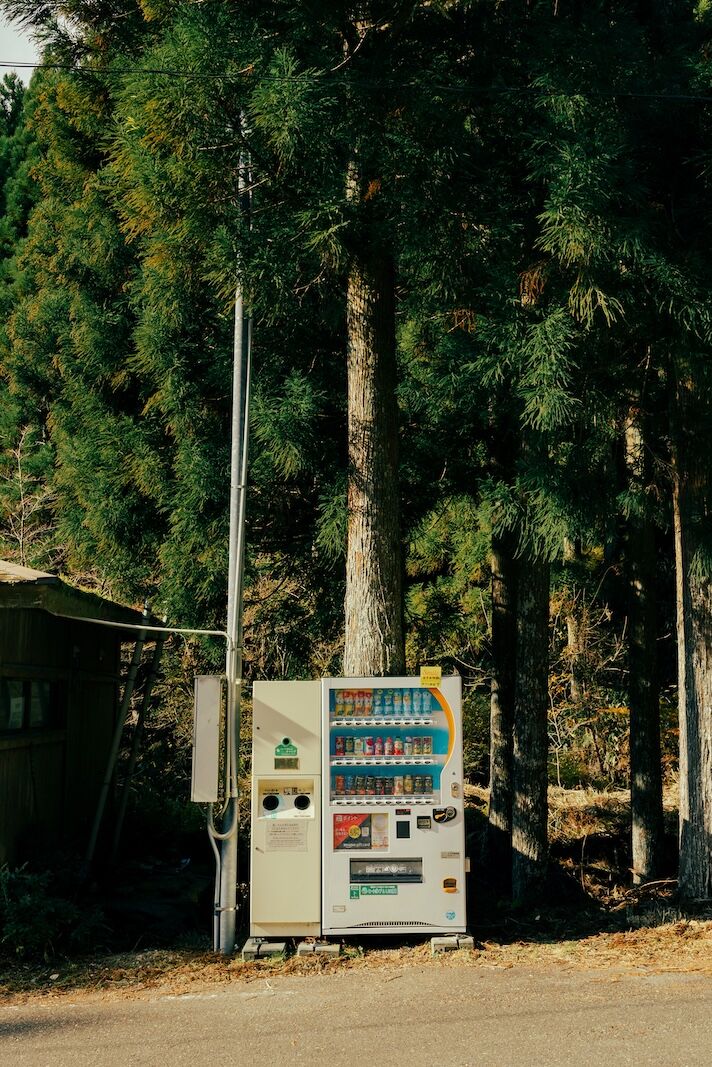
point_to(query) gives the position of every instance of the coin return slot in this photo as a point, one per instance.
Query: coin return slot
(270, 802)
(302, 802)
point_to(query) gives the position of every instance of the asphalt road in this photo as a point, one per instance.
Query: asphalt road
(418, 1016)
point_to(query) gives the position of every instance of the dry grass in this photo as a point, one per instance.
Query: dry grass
(682, 946)
(610, 927)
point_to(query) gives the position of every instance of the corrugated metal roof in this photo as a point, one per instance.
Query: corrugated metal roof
(23, 587)
(13, 572)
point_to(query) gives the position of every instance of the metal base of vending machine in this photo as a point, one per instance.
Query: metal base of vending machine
(451, 943)
(319, 948)
(256, 948)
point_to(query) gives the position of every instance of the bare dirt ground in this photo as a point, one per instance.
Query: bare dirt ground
(682, 947)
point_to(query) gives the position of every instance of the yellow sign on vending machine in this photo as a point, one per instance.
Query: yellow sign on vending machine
(431, 677)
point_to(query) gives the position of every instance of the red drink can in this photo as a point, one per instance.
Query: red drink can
(397, 746)
(339, 784)
(388, 747)
(339, 746)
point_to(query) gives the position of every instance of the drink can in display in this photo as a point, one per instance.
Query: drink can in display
(397, 702)
(358, 746)
(408, 784)
(348, 746)
(378, 746)
(339, 746)
(427, 745)
(388, 747)
(428, 783)
(408, 746)
(397, 746)
(388, 786)
(367, 700)
(368, 746)
(360, 785)
(398, 785)
(348, 702)
(417, 746)
(370, 785)
(418, 784)
(349, 785)
(380, 786)
(339, 784)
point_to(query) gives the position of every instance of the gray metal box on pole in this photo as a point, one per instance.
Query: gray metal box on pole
(206, 738)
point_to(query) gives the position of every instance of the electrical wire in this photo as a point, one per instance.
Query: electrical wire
(376, 85)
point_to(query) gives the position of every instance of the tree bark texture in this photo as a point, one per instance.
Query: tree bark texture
(504, 651)
(374, 641)
(574, 614)
(530, 767)
(646, 795)
(692, 513)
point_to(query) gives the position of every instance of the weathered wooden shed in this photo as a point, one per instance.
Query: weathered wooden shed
(60, 688)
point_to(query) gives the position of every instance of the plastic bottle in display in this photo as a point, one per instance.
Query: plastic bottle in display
(368, 746)
(367, 700)
(408, 784)
(408, 746)
(339, 746)
(348, 702)
(407, 702)
(397, 746)
(378, 746)
(388, 701)
(397, 702)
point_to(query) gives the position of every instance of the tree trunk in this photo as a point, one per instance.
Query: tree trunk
(504, 651)
(374, 643)
(691, 508)
(646, 796)
(574, 614)
(530, 770)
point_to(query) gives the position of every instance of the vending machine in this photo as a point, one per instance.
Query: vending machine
(393, 839)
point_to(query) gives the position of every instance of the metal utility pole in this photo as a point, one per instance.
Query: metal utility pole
(227, 872)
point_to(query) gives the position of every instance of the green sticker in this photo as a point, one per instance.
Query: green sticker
(379, 890)
(354, 893)
(285, 750)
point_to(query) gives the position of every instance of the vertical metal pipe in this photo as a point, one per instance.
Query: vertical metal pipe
(227, 872)
(116, 741)
(135, 742)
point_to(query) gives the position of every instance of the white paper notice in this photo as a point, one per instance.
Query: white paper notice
(288, 835)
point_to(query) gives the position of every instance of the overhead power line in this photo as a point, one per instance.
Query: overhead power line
(368, 83)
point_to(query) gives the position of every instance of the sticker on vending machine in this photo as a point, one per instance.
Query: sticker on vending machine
(352, 830)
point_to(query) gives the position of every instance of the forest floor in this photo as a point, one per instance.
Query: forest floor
(593, 920)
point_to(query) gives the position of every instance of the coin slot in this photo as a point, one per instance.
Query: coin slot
(302, 802)
(270, 802)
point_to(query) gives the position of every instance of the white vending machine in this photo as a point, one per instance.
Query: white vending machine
(393, 839)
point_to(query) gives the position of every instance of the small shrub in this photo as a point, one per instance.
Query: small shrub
(36, 922)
